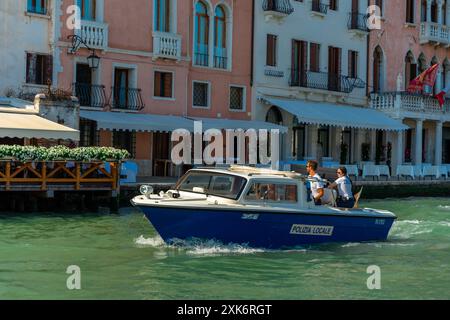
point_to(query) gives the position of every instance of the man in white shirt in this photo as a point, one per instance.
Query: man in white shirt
(317, 185)
(344, 187)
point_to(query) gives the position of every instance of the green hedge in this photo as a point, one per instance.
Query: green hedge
(28, 153)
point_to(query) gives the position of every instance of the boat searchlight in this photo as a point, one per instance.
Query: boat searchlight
(146, 190)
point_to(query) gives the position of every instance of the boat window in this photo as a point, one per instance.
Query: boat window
(215, 184)
(272, 192)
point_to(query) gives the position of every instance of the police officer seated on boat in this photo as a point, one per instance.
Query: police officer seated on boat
(316, 184)
(344, 186)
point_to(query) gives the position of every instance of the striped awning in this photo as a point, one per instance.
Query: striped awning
(337, 115)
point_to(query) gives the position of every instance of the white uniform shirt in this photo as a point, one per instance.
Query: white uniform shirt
(344, 186)
(316, 185)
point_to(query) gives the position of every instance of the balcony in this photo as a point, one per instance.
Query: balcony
(321, 81)
(277, 9)
(94, 33)
(127, 99)
(358, 23)
(166, 45)
(318, 8)
(434, 33)
(404, 104)
(92, 96)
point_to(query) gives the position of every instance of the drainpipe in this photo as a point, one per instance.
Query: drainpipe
(253, 44)
(368, 58)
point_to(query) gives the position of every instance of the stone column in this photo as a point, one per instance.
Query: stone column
(429, 2)
(418, 144)
(398, 153)
(313, 135)
(438, 144)
(439, 80)
(373, 145)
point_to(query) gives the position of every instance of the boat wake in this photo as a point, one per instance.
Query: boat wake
(197, 247)
(409, 229)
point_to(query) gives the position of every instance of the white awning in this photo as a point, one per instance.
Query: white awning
(337, 115)
(153, 123)
(29, 125)
(210, 123)
(122, 121)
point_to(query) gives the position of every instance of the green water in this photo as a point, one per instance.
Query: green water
(121, 257)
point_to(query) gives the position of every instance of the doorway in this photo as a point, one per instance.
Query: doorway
(83, 85)
(161, 154)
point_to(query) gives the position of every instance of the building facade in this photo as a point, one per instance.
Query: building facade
(27, 46)
(310, 72)
(414, 35)
(184, 59)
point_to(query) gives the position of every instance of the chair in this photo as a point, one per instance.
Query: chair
(370, 170)
(352, 170)
(443, 171)
(384, 171)
(365, 163)
(405, 170)
(418, 171)
(357, 197)
(431, 171)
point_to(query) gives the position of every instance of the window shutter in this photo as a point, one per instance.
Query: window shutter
(167, 18)
(168, 85)
(157, 85)
(48, 71)
(31, 67)
(94, 9)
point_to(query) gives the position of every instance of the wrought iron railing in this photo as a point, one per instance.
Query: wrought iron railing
(89, 95)
(281, 6)
(357, 21)
(320, 80)
(127, 98)
(318, 6)
(201, 59)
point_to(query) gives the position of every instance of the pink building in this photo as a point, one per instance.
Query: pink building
(161, 62)
(414, 35)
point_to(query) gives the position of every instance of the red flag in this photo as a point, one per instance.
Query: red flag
(426, 78)
(441, 95)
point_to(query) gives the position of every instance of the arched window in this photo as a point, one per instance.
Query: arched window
(88, 9)
(274, 116)
(422, 63)
(162, 15)
(378, 62)
(410, 11)
(410, 68)
(220, 38)
(201, 33)
(423, 11)
(434, 12)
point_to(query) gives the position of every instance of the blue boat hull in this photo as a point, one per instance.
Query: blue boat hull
(269, 230)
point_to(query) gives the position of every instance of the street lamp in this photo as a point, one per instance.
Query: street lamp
(77, 41)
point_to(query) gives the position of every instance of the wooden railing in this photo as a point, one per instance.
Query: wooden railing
(58, 175)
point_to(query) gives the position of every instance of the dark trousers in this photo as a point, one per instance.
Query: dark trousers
(349, 204)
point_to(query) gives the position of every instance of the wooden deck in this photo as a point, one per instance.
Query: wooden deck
(58, 176)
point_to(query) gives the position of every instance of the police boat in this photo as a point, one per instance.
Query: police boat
(258, 208)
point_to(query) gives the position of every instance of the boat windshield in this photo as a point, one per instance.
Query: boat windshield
(214, 184)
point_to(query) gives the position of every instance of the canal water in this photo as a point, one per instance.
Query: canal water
(121, 257)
